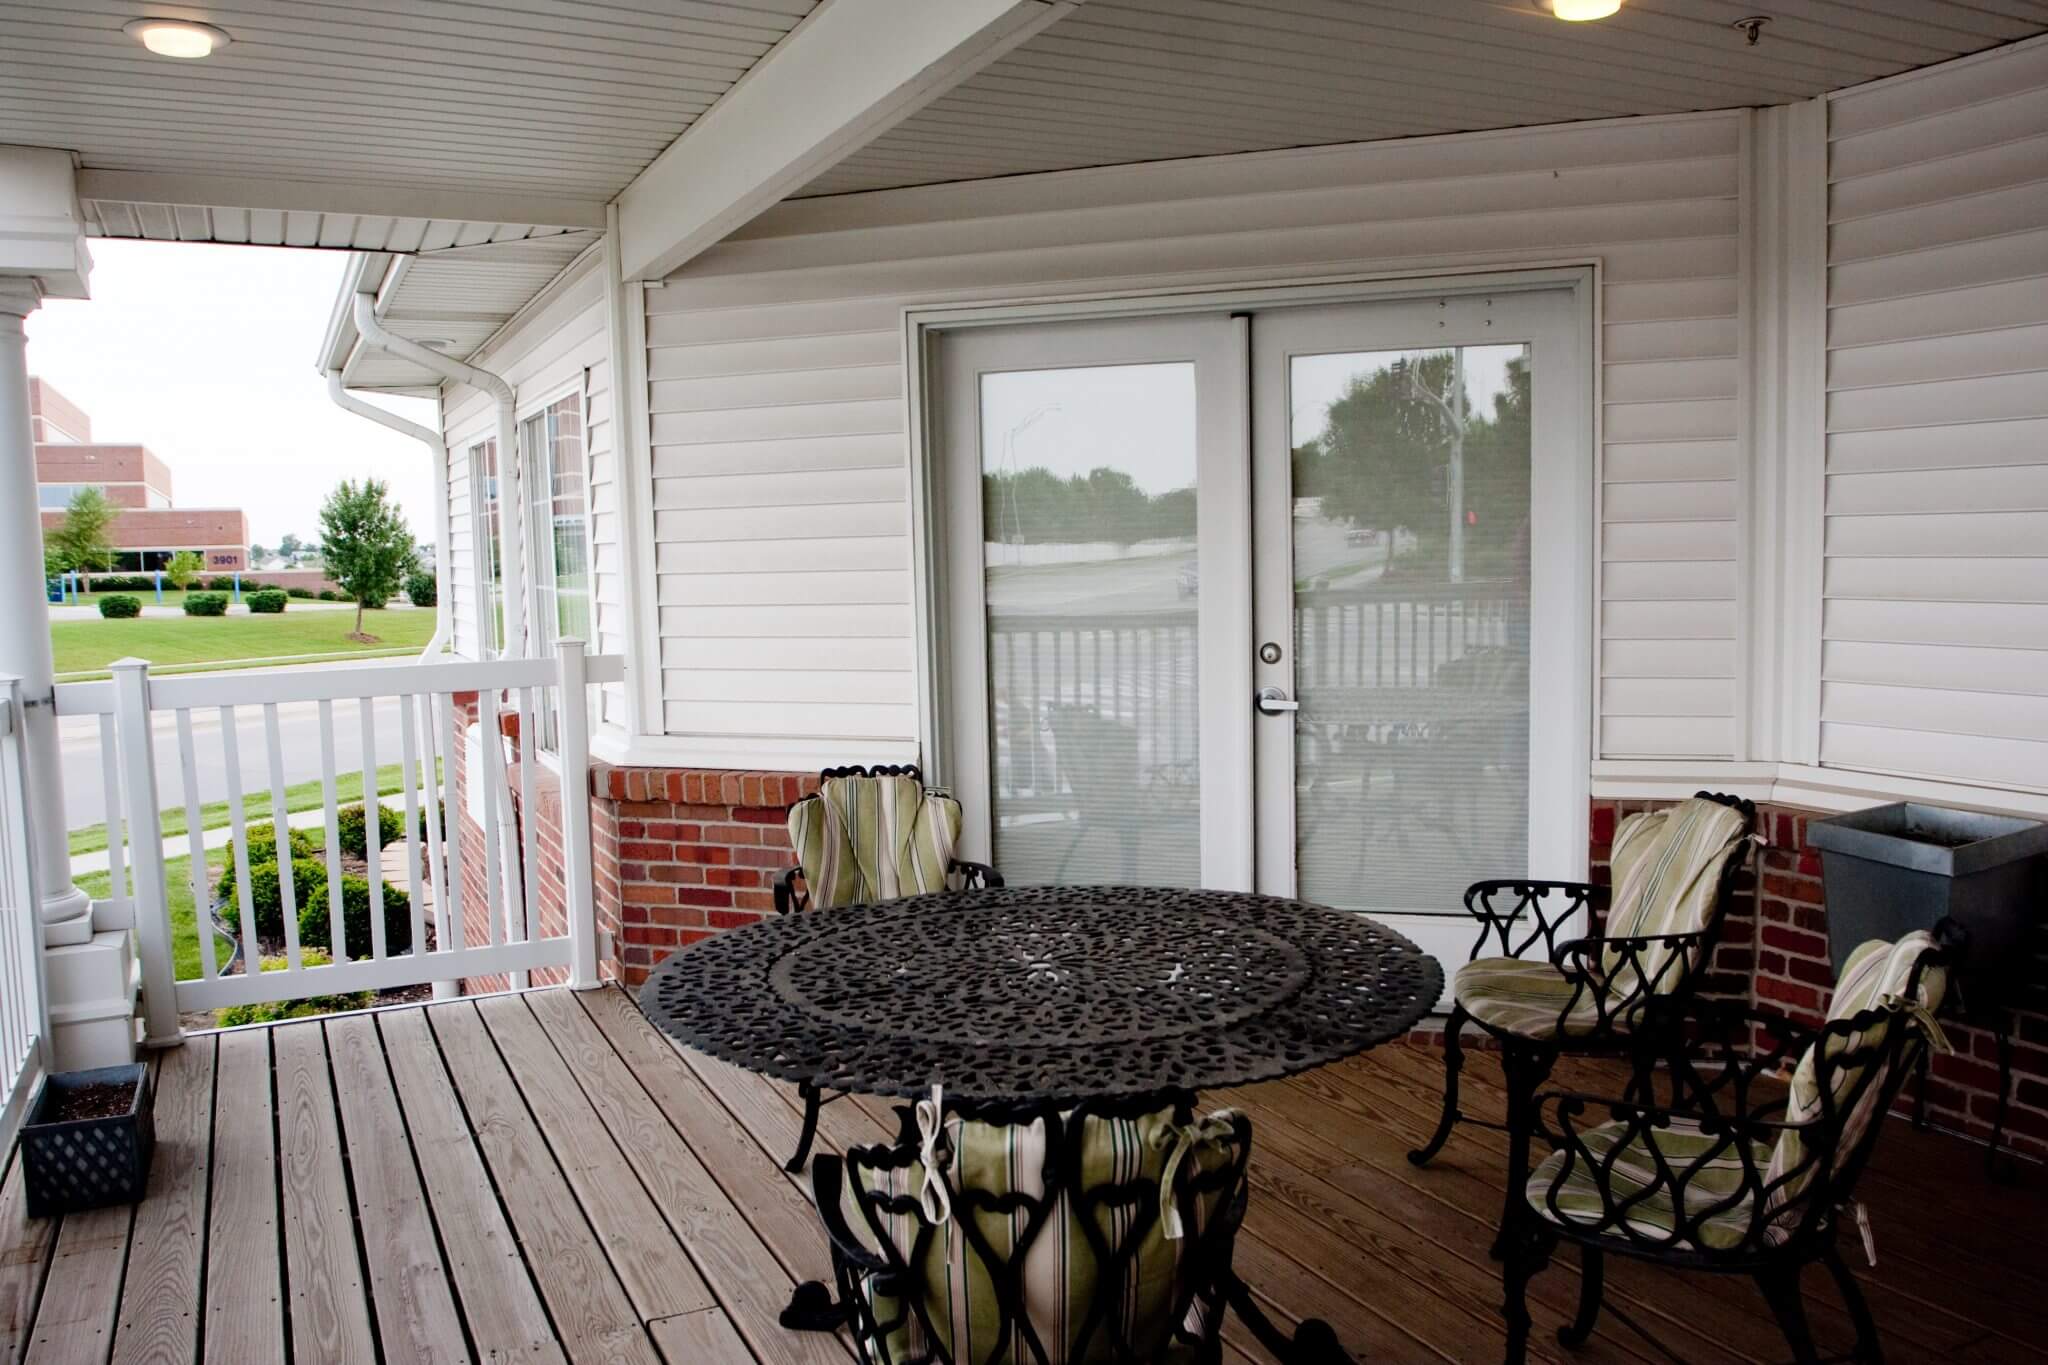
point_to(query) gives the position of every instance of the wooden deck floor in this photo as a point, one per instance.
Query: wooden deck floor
(542, 1177)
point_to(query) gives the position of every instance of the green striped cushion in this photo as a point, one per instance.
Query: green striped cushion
(1060, 1265)
(1643, 1193)
(1876, 972)
(873, 839)
(1666, 867)
(1525, 998)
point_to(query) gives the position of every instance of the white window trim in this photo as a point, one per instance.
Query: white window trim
(577, 387)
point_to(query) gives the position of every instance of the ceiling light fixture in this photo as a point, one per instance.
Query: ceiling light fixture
(177, 37)
(1578, 11)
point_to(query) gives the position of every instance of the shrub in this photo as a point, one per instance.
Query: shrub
(310, 895)
(262, 838)
(271, 1012)
(267, 602)
(123, 582)
(328, 595)
(206, 604)
(221, 582)
(120, 607)
(390, 828)
(420, 588)
(303, 594)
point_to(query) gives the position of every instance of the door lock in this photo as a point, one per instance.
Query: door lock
(1274, 701)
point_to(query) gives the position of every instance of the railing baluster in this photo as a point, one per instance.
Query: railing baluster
(238, 831)
(195, 843)
(529, 858)
(373, 834)
(493, 778)
(337, 902)
(409, 778)
(578, 894)
(117, 824)
(152, 905)
(429, 781)
(457, 937)
(280, 819)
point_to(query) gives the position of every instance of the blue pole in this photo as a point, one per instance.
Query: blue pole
(159, 587)
(238, 590)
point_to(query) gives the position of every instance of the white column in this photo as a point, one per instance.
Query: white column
(25, 621)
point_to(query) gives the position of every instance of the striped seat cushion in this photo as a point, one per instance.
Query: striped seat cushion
(1061, 1286)
(1876, 973)
(1643, 1194)
(873, 839)
(1527, 999)
(1666, 865)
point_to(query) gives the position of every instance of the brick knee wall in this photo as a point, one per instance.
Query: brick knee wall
(1774, 953)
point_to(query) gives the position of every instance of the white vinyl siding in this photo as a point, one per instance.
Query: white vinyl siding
(462, 554)
(779, 455)
(1934, 655)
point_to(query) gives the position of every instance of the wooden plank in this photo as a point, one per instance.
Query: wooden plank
(749, 1173)
(159, 1319)
(751, 1286)
(649, 1260)
(75, 1321)
(409, 1288)
(244, 1292)
(330, 1311)
(705, 1336)
(25, 1248)
(592, 1312)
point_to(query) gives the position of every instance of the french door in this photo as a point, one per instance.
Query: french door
(1291, 598)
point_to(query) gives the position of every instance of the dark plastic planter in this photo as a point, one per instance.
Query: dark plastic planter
(1893, 869)
(87, 1163)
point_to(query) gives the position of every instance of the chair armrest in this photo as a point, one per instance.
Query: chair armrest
(1546, 904)
(827, 1177)
(1586, 957)
(975, 876)
(787, 895)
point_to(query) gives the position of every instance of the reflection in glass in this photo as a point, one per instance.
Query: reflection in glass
(1411, 616)
(1091, 576)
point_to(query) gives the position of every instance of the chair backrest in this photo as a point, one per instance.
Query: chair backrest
(1877, 1023)
(1097, 757)
(872, 837)
(1058, 1246)
(1668, 867)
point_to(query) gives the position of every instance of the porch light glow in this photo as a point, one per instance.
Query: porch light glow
(176, 37)
(1578, 11)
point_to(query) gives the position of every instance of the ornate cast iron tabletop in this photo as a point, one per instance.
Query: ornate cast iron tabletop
(1045, 994)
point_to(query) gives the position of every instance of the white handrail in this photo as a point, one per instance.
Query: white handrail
(24, 1003)
(423, 742)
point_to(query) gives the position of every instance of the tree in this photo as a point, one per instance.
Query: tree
(365, 543)
(80, 540)
(257, 554)
(289, 547)
(183, 568)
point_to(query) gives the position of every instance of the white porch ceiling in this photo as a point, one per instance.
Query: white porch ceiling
(410, 118)
(1144, 80)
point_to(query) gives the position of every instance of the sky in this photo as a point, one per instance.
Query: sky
(205, 354)
(1141, 418)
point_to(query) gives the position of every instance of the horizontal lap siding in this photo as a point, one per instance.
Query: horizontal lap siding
(1935, 627)
(781, 485)
(461, 551)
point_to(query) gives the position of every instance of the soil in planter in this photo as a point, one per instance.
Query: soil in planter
(97, 1101)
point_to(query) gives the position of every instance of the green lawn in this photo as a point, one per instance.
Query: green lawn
(348, 787)
(184, 914)
(192, 643)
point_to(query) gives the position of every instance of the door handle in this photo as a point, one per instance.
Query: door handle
(1274, 701)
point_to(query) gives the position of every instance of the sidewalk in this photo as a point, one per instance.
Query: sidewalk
(179, 845)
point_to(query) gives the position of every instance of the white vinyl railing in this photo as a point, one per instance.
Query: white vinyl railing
(441, 885)
(24, 1009)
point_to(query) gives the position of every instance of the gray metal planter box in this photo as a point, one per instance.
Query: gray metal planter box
(1893, 869)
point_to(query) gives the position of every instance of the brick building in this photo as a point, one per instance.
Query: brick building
(149, 527)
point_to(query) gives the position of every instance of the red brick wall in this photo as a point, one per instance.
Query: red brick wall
(53, 417)
(1774, 953)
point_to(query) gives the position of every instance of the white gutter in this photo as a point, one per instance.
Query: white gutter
(511, 506)
(348, 402)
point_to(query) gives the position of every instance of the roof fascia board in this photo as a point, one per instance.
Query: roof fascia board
(370, 201)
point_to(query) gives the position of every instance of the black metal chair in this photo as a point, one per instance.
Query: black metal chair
(855, 867)
(1038, 1251)
(1601, 994)
(1736, 1175)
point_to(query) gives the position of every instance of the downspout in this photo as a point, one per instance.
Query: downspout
(348, 402)
(511, 505)
(511, 513)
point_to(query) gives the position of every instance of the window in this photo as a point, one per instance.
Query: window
(483, 466)
(56, 497)
(559, 545)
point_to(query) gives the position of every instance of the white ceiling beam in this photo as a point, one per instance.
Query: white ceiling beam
(848, 73)
(319, 196)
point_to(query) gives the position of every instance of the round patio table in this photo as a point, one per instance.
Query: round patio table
(1045, 995)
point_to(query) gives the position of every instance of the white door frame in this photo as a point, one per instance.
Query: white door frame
(1555, 322)
(924, 324)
